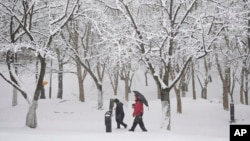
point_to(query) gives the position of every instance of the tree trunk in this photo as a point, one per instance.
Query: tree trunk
(225, 82)
(166, 110)
(100, 73)
(31, 118)
(146, 78)
(226, 89)
(37, 70)
(225, 96)
(247, 70)
(126, 77)
(158, 92)
(50, 80)
(178, 89)
(158, 86)
(60, 75)
(130, 83)
(80, 77)
(193, 82)
(100, 97)
(114, 80)
(60, 81)
(242, 86)
(246, 86)
(14, 98)
(126, 87)
(204, 92)
(206, 81)
(183, 89)
(178, 98)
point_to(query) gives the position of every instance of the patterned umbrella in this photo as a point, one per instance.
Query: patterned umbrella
(141, 97)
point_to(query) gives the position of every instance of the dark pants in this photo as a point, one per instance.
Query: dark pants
(138, 120)
(119, 121)
(42, 96)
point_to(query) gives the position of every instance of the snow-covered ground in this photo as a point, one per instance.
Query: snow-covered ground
(68, 119)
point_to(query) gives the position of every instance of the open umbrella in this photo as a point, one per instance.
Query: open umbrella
(141, 97)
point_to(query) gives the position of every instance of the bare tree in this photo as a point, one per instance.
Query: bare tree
(175, 19)
(28, 33)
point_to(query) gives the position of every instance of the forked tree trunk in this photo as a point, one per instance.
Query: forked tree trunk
(31, 118)
(178, 89)
(127, 81)
(114, 80)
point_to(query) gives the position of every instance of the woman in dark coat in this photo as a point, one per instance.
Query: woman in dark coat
(119, 114)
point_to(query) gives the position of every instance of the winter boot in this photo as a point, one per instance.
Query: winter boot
(118, 125)
(132, 130)
(125, 125)
(133, 127)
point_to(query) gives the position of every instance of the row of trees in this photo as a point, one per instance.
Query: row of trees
(176, 41)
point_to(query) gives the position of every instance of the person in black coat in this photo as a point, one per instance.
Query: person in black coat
(119, 114)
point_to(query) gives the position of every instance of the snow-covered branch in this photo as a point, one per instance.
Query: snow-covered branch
(185, 15)
(62, 16)
(52, 33)
(37, 49)
(18, 87)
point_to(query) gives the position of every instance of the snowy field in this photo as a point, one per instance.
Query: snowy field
(70, 120)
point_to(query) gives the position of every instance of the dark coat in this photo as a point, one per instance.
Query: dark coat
(119, 112)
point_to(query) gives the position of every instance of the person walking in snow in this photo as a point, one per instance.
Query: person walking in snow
(119, 114)
(138, 113)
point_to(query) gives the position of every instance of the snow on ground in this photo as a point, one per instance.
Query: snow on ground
(63, 120)
(68, 119)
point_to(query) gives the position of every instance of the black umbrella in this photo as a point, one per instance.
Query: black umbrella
(141, 97)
